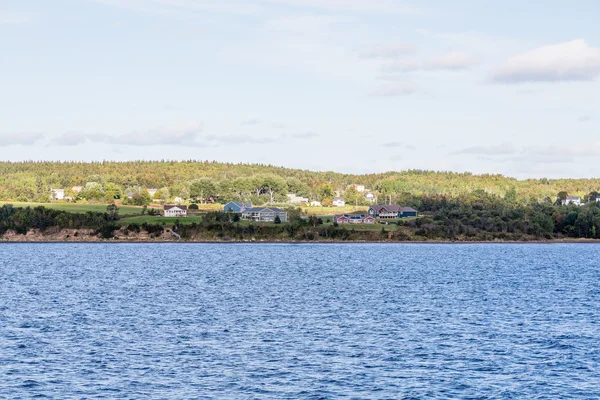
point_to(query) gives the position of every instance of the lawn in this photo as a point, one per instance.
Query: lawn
(157, 219)
(77, 208)
(319, 211)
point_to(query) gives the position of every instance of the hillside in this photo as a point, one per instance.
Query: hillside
(102, 181)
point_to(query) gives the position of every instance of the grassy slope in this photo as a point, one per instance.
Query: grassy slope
(76, 208)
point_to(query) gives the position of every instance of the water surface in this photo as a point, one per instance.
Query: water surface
(356, 321)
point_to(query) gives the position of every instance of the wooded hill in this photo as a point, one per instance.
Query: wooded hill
(103, 181)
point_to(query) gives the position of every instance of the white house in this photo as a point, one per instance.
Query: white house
(152, 192)
(264, 214)
(315, 203)
(370, 197)
(297, 199)
(178, 200)
(338, 202)
(175, 211)
(77, 189)
(572, 200)
(57, 194)
(359, 188)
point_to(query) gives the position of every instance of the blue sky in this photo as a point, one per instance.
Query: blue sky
(357, 86)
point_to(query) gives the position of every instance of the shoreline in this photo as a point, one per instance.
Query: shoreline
(331, 242)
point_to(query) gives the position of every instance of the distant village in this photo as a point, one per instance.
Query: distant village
(248, 212)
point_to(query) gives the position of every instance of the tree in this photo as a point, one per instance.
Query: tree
(298, 187)
(562, 196)
(163, 195)
(112, 212)
(277, 219)
(326, 190)
(203, 188)
(352, 196)
(272, 184)
(112, 191)
(141, 199)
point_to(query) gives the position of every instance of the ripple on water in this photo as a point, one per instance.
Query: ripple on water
(370, 321)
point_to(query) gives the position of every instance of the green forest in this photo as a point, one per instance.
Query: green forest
(198, 181)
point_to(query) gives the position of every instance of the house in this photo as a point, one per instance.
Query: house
(370, 197)
(77, 189)
(598, 199)
(359, 188)
(392, 212)
(354, 219)
(152, 192)
(297, 199)
(130, 195)
(338, 202)
(178, 200)
(385, 211)
(572, 200)
(57, 194)
(264, 214)
(236, 206)
(315, 204)
(175, 211)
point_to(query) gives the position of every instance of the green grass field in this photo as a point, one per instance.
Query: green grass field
(77, 208)
(153, 219)
(319, 211)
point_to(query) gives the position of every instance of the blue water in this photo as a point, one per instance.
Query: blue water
(299, 321)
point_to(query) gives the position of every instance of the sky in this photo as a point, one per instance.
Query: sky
(354, 86)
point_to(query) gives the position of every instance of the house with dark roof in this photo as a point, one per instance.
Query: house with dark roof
(384, 211)
(236, 206)
(392, 212)
(175, 211)
(354, 219)
(264, 214)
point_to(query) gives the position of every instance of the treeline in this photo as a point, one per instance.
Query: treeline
(204, 180)
(22, 220)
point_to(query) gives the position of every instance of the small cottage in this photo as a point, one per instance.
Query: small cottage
(576, 200)
(354, 219)
(297, 199)
(57, 194)
(338, 202)
(175, 211)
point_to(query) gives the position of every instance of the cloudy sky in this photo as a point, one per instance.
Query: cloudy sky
(360, 86)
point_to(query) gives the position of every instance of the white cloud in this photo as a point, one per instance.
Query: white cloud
(186, 134)
(12, 18)
(182, 134)
(450, 61)
(23, 138)
(584, 118)
(389, 52)
(501, 149)
(395, 89)
(569, 61)
(252, 121)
